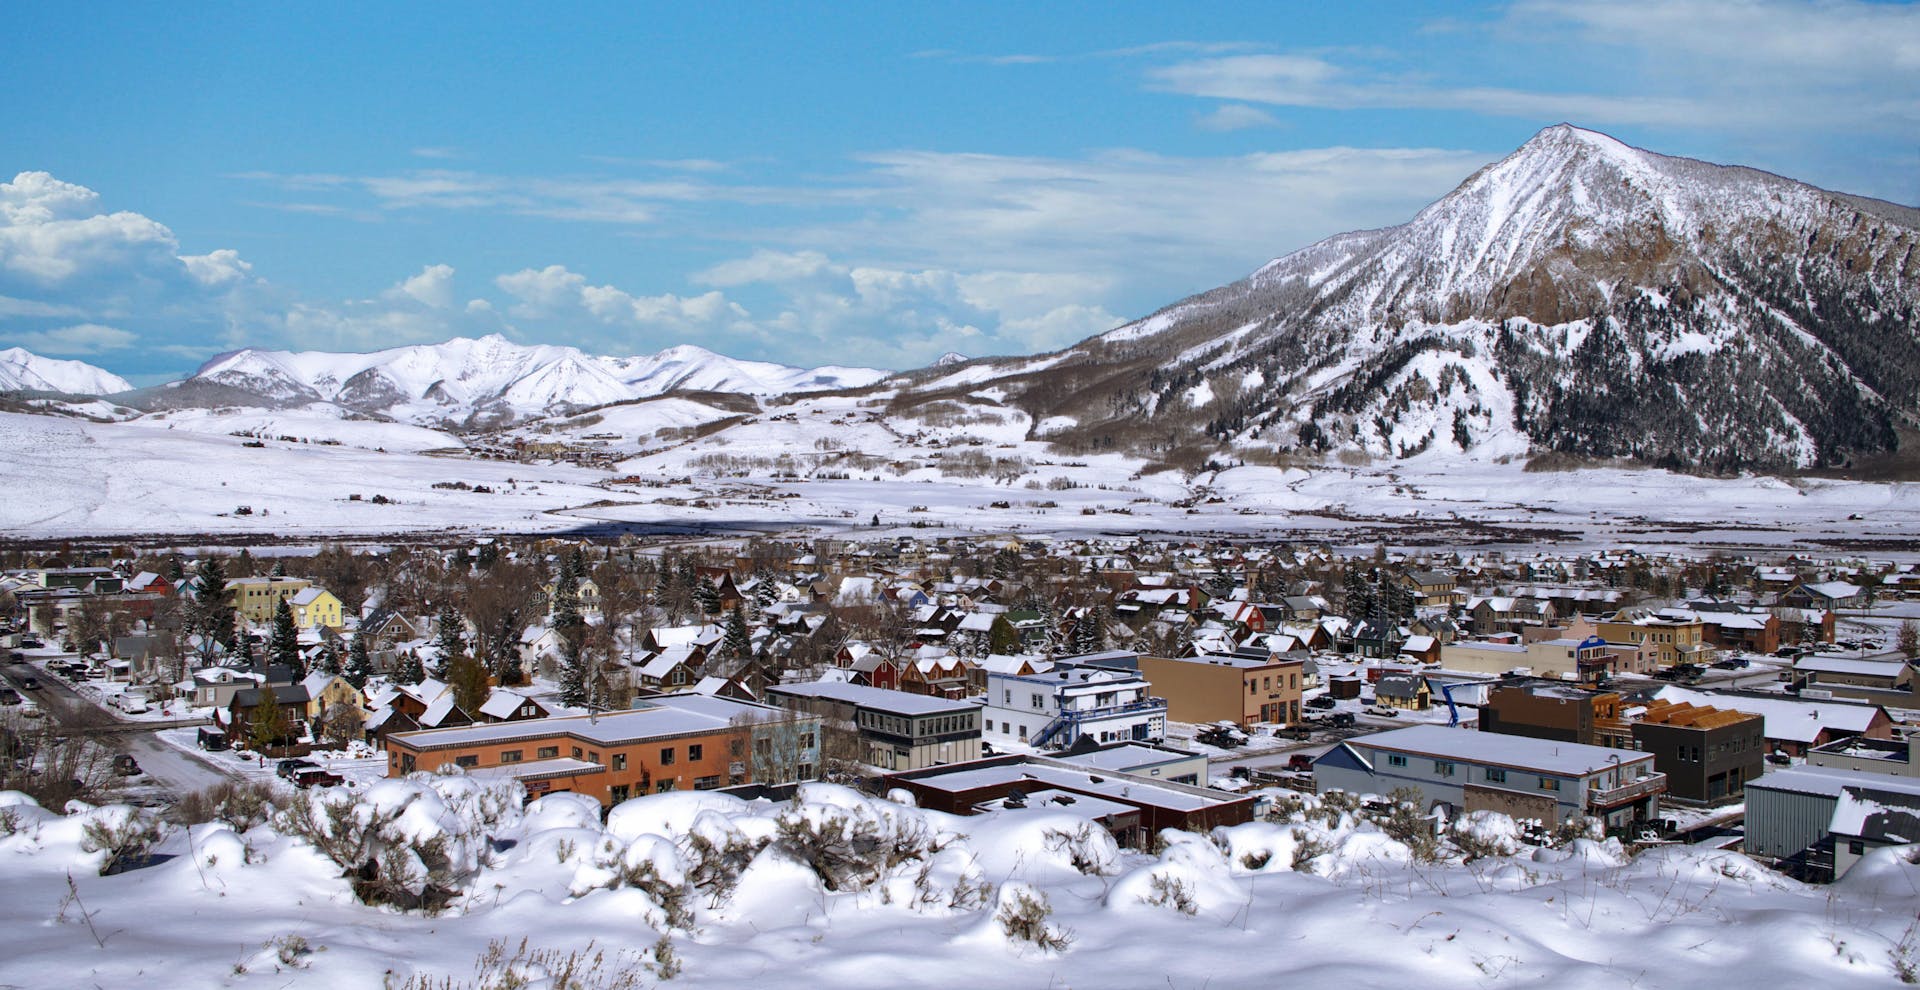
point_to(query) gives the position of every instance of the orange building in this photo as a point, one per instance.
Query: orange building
(1244, 690)
(673, 742)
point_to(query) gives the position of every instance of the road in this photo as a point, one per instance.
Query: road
(172, 769)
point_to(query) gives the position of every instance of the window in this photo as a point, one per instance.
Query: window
(1396, 760)
(1549, 784)
(736, 746)
(666, 756)
(619, 761)
(806, 740)
(511, 756)
(466, 762)
(1857, 847)
(663, 787)
(763, 746)
(546, 753)
(694, 752)
(1006, 696)
(1496, 775)
(1443, 768)
(576, 752)
(619, 792)
(406, 763)
(806, 771)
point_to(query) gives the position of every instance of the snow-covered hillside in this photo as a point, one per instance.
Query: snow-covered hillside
(704, 890)
(24, 371)
(1579, 296)
(473, 381)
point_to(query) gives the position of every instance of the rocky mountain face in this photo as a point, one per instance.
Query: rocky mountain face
(481, 382)
(1579, 296)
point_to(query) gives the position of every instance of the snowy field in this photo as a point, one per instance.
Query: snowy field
(702, 890)
(185, 475)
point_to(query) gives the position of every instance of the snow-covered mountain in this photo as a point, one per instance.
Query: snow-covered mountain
(493, 379)
(1579, 296)
(24, 371)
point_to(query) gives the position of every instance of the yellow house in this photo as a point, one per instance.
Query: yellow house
(324, 691)
(315, 607)
(256, 598)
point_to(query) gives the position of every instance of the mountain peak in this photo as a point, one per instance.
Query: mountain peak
(24, 371)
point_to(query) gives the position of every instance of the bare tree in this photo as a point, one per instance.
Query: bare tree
(779, 747)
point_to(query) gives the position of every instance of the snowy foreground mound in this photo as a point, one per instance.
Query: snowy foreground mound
(468, 889)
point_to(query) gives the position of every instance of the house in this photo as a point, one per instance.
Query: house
(324, 691)
(1827, 596)
(1514, 775)
(671, 669)
(1804, 625)
(149, 583)
(1425, 649)
(292, 701)
(1073, 698)
(1817, 821)
(900, 731)
(673, 742)
(1433, 588)
(1245, 689)
(315, 608)
(214, 687)
(1003, 783)
(1407, 692)
(510, 706)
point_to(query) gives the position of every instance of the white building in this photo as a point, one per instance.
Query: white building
(1053, 709)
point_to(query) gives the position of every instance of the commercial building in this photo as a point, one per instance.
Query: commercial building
(1583, 660)
(256, 598)
(1240, 688)
(1818, 821)
(900, 731)
(1515, 775)
(673, 742)
(1707, 753)
(1095, 697)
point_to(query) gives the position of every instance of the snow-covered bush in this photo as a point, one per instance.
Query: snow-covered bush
(125, 834)
(242, 804)
(410, 843)
(1025, 915)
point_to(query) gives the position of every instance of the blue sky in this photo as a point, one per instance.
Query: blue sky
(866, 184)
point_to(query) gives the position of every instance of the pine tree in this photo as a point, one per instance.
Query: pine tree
(410, 670)
(467, 678)
(359, 667)
(209, 614)
(566, 602)
(279, 569)
(330, 659)
(707, 595)
(269, 724)
(283, 643)
(1360, 597)
(452, 645)
(739, 641)
(573, 676)
(176, 572)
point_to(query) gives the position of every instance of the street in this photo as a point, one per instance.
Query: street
(173, 770)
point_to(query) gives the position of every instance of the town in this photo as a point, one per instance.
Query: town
(1747, 703)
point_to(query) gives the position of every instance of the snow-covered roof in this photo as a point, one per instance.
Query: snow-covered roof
(1469, 746)
(1786, 718)
(1831, 781)
(668, 715)
(878, 699)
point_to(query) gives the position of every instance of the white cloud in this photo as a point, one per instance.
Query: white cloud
(432, 287)
(1235, 117)
(554, 291)
(222, 267)
(80, 338)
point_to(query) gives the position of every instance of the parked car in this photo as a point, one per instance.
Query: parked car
(9, 696)
(212, 740)
(30, 683)
(1340, 720)
(126, 766)
(132, 704)
(316, 777)
(1323, 701)
(1383, 711)
(288, 768)
(1300, 762)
